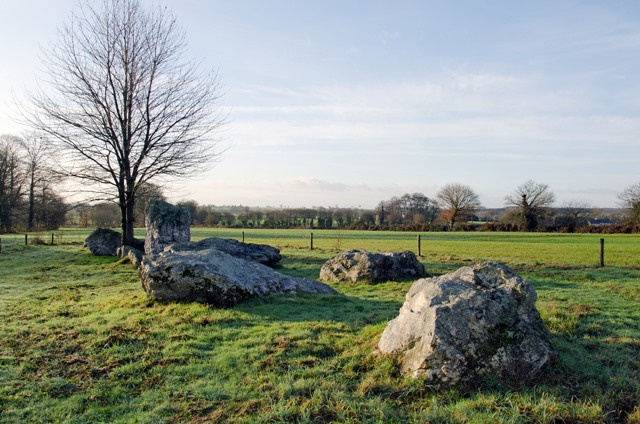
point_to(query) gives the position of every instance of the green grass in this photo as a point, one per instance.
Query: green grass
(547, 249)
(81, 342)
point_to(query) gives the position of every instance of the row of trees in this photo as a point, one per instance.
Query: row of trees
(455, 202)
(456, 206)
(27, 197)
(26, 181)
(108, 214)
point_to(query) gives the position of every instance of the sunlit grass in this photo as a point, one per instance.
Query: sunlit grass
(81, 342)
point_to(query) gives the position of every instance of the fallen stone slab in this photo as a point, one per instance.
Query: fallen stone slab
(355, 265)
(475, 322)
(217, 278)
(260, 253)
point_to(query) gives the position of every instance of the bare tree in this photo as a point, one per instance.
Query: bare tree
(12, 180)
(39, 175)
(578, 211)
(630, 198)
(457, 201)
(532, 201)
(123, 105)
(50, 211)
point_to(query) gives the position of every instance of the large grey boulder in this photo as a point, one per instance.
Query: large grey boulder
(166, 224)
(214, 277)
(104, 242)
(260, 253)
(355, 265)
(475, 322)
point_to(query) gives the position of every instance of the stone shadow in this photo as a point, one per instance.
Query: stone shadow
(309, 307)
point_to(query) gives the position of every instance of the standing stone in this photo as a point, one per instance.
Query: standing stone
(166, 224)
(104, 242)
(475, 322)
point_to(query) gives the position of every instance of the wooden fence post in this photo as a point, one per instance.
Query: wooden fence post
(311, 239)
(26, 239)
(601, 253)
(243, 236)
(419, 245)
(51, 239)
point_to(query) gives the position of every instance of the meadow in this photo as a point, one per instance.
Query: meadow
(80, 342)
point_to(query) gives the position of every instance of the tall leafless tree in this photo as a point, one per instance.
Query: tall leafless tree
(457, 201)
(532, 201)
(12, 180)
(39, 174)
(123, 104)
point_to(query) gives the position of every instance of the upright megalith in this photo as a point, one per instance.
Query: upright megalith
(104, 242)
(166, 224)
(476, 322)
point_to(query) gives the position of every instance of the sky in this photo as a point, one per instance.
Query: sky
(335, 103)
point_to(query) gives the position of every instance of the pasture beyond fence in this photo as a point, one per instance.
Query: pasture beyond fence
(510, 248)
(63, 236)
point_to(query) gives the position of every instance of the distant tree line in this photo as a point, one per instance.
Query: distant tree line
(108, 214)
(455, 208)
(28, 200)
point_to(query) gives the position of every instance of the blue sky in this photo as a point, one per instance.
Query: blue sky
(350, 103)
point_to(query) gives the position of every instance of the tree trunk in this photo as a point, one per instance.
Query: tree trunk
(32, 204)
(452, 221)
(127, 210)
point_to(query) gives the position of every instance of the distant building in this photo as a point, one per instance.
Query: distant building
(600, 222)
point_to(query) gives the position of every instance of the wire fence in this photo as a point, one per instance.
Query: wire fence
(320, 240)
(323, 240)
(544, 248)
(11, 241)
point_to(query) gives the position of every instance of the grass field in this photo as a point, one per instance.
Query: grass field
(81, 342)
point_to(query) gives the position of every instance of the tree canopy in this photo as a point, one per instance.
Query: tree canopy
(531, 201)
(457, 201)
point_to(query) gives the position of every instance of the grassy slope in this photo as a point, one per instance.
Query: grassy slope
(80, 342)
